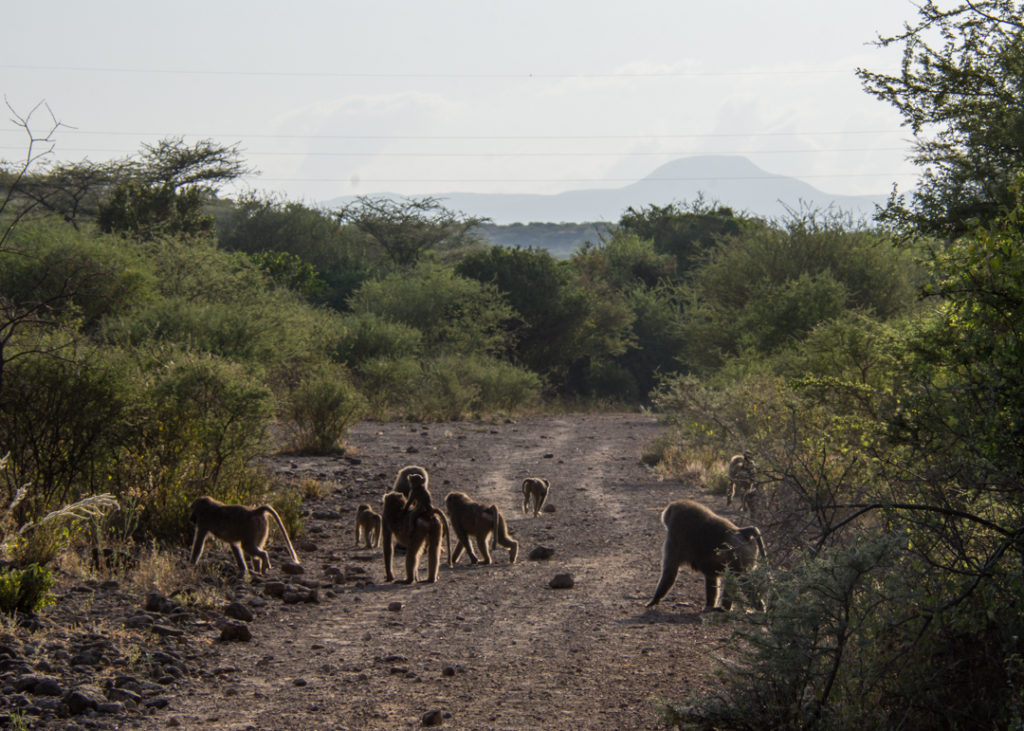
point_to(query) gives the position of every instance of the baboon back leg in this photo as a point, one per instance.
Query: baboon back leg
(433, 558)
(412, 564)
(506, 541)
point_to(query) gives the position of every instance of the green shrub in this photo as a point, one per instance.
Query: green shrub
(368, 336)
(25, 590)
(322, 408)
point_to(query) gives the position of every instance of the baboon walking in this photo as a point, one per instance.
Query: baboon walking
(710, 544)
(418, 528)
(741, 480)
(367, 525)
(484, 523)
(536, 489)
(244, 529)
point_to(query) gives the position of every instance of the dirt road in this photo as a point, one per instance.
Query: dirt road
(489, 647)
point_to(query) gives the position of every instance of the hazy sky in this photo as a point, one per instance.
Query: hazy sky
(332, 98)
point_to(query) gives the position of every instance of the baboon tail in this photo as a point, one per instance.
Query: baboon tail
(280, 524)
(447, 532)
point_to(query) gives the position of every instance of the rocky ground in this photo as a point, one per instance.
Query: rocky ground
(337, 647)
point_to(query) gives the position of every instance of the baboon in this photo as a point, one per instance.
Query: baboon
(402, 479)
(741, 479)
(536, 488)
(484, 523)
(368, 526)
(708, 543)
(243, 528)
(417, 528)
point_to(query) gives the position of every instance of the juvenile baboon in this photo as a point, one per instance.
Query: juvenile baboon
(368, 526)
(243, 528)
(708, 543)
(402, 479)
(418, 495)
(741, 480)
(537, 489)
(483, 522)
(417, 528)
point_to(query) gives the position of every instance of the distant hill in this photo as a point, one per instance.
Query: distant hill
(727, 180)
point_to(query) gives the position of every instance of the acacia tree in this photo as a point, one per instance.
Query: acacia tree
(406, 228)
(163, 190)
(960, 91)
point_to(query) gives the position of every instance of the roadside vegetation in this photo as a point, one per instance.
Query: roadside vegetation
(155, 338)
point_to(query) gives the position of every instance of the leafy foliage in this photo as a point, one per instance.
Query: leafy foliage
(25, 590)
(959, 90)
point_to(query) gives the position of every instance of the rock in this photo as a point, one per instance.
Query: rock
(548, 508)
(237, 610)
(39, 685)
(434, 717)
(395, 606)
(292, 569)
(541, 553)
(234, 631)
(138, 621)
(300, 682)
(274, 588)
(157, 602)
(562, 581)
(300, 595)
(84, 698)
(124, 695)
(167, 631)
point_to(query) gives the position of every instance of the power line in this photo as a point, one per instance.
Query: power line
(628, 153)
(524, 75)
(687, 135)
(699, 178)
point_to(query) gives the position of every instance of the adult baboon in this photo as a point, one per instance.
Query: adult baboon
(417, 528)
(741, 480)
(368, 525)
(483, 522)
(242, 528)
(708, 543)
(402, 478)
(537, 489)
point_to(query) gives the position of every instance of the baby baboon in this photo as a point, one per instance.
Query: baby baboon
(708, 543)
(741, 479)
(417, 528)
(536, 488)
(244, 529)
(368, 525)
(402, 479)
(470, 518)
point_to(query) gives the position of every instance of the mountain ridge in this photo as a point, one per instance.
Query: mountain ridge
(727, 180)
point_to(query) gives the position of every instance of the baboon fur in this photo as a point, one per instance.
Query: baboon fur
(401, 483)
(536, 488)
(483, 522)
(708, 543)
(417, 529)
(243, 528)
(741, 480)
(367, 526)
